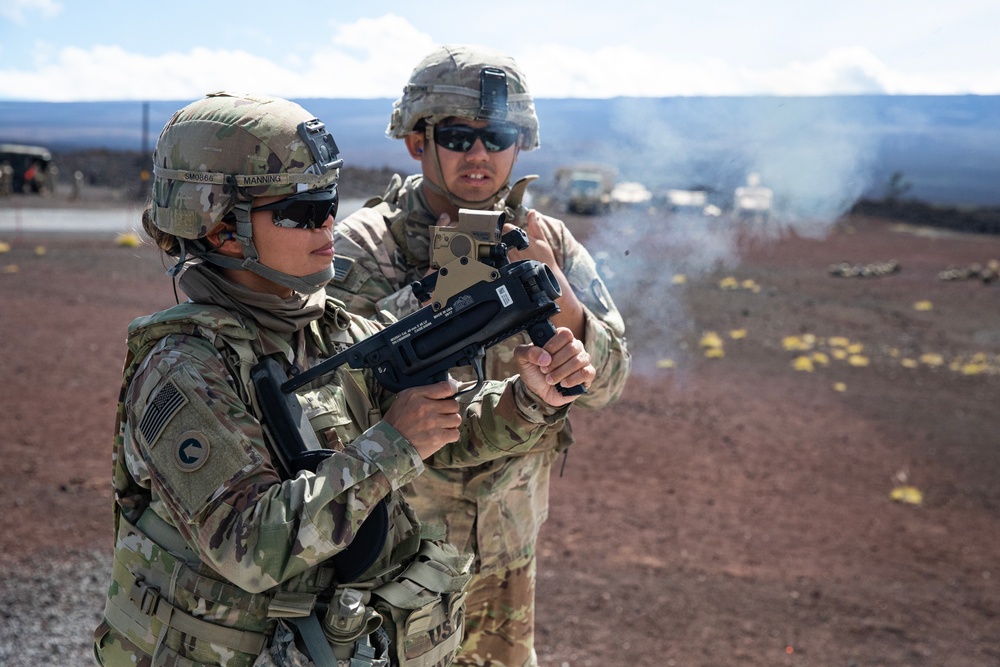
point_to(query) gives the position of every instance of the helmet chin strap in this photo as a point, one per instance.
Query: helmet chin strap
(454, 200)
(310, 284)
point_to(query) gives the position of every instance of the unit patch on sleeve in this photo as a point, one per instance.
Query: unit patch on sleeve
(192, 451)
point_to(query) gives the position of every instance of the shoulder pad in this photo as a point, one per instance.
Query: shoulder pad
(192, 319)
(365, 219)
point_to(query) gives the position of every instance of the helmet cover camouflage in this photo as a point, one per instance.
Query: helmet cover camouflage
(229, 147)
(448, 83)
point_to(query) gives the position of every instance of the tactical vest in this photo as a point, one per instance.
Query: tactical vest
(388, 207)
(165, 607)
(393, 214)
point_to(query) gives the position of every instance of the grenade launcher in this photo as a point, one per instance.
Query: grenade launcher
(478, 298)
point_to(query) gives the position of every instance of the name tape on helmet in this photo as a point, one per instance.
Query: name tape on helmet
(250, 180)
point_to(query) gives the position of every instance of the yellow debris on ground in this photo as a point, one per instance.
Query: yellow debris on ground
(711, 340)
(796, 343)
(819, 351)
(839, 386)
(975, 364)
(128, 240)
(712, 343)
(923, 305)
(40, 250)
(679, 279)
(665, 363)
(4, 246)
(737, 334)
(729, 283)
(931, 359)
(803, 363)
(10, 268)
(907, 494)
(733, 283)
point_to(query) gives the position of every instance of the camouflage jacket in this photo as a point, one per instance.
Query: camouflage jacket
(191, 450)
(494, 509)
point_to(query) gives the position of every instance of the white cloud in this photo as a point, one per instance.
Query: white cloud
(369, 58)
(16, 10)
(555, 71)
(373, 57)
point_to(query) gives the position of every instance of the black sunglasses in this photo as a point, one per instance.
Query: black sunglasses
(495, 137)
(306, 210)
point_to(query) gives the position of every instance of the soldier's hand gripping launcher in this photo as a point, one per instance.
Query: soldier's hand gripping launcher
(478, 298)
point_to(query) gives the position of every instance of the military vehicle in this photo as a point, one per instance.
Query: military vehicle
(753, 200)
(29, 167)
(585, 189)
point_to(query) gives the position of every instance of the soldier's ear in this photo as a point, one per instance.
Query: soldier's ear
(415, 144)
(223, 238)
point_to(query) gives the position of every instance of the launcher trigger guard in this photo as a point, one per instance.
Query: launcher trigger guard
(476, 355)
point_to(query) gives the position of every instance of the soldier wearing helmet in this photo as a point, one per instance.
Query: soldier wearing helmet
(464, 115)
(224, 553)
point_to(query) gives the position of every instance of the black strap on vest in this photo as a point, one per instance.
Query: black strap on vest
(290, 430)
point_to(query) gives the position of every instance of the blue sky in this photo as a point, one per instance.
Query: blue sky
(76, 50)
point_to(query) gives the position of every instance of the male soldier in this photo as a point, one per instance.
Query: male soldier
(464, 115)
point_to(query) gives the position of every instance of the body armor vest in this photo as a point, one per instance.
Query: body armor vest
(166, 607)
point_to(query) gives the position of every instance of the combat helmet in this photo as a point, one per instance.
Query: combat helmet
(471, 82)
(217, 154)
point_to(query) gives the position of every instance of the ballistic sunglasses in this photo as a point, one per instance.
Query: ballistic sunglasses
(460, 138)
(306, 210)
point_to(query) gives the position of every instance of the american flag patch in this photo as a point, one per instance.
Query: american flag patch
(341, 267)
(165, 404)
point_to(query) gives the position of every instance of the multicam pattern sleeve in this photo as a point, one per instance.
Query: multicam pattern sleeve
(604, 329)
(373, 276)
(194, 442)
(502, 419)
(369, 275)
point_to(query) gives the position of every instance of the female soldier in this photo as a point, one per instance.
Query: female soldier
(225, 553)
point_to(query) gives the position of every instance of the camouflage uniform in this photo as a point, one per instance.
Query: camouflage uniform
(192, 462)
(494, 509)
(223, 555)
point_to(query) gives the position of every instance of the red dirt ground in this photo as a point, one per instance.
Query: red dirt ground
(728, 511)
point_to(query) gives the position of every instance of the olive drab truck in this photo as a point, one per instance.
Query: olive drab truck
(586, 189)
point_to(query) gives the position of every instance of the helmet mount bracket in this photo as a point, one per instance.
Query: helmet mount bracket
(492, 94)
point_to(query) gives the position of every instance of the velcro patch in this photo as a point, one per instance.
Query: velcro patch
(192, 451)
(167, 402)
(601, 295)
(202, 451)
(342, 268)
(348, 274)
